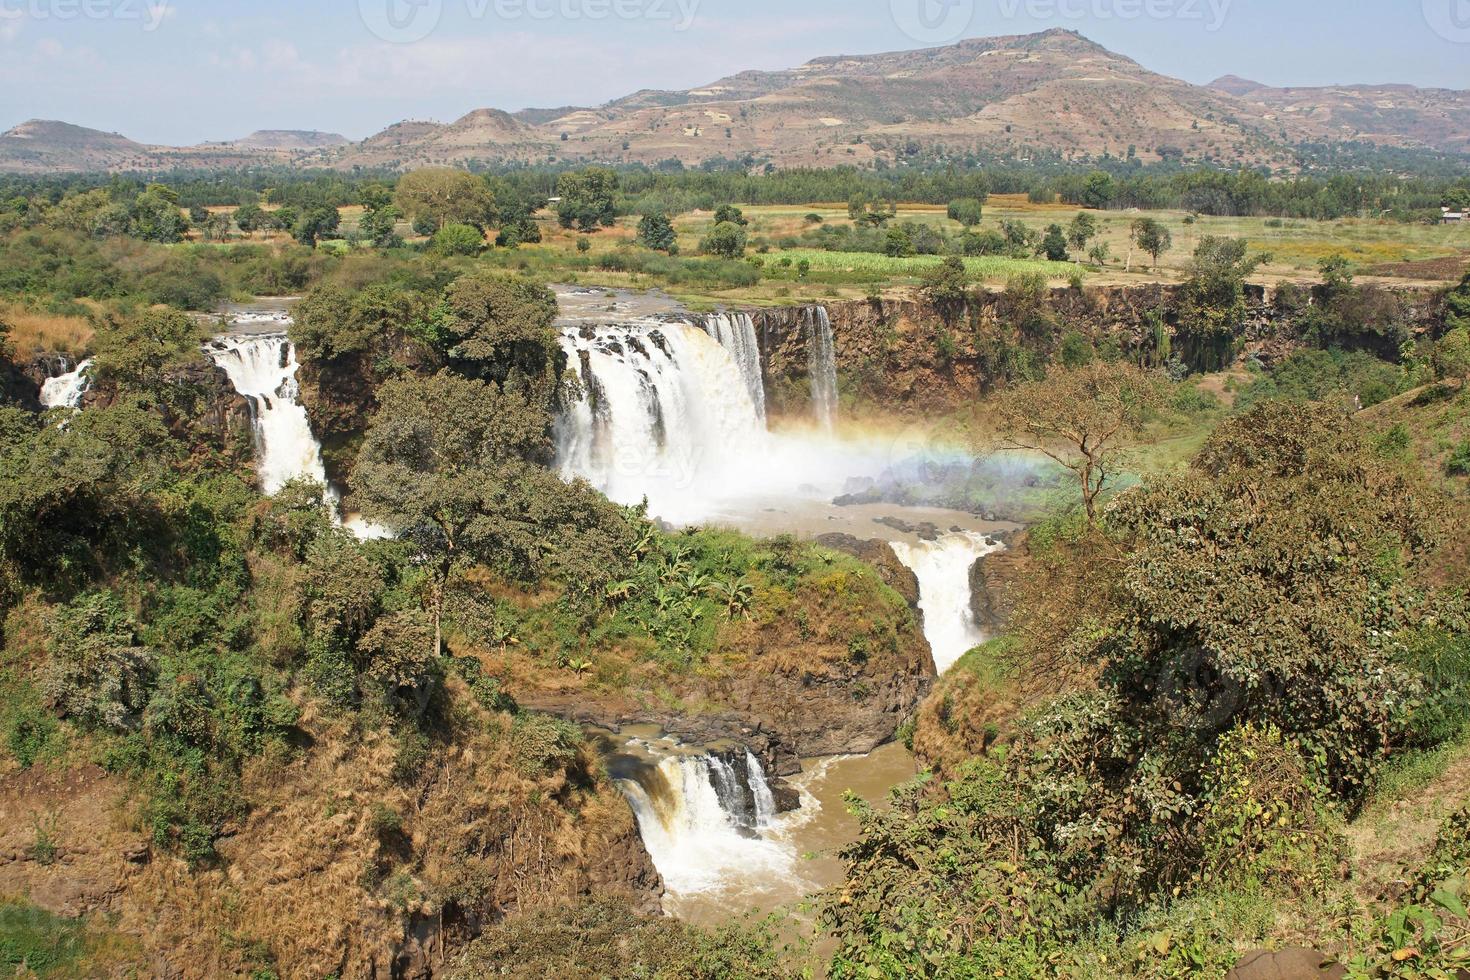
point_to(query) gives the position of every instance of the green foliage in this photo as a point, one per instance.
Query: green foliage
(34, 942)
(314, 224)
(968, 211)
(655, 231)
(1452, 355)
(1212, 303)
(1152, 237)
(588, 199)
(726, 240)
(98, 674)
(499, 328)
(948, 282)
(333, 322)
(137, 353)
(1336, 377)
(458, 239)
(434, 197)
(1054, 244)
(1459, 462)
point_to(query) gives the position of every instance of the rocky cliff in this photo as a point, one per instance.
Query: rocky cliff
(911, 356)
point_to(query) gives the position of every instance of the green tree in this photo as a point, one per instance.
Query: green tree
(1099, 190)
(455, 239)
(499, 329)
(897, 244)
(1086, 419)
(726, 240)
(154, 216)
(1212, 302)
(315, 223)
(588, 199)
(1152, 237)
(968, 211)
(1054, 244)
(137, 354)
(437, 196)
(730, 213)
(455, 467)
(1082, 230)
(948, 282)
(656, 231)
(379, 226)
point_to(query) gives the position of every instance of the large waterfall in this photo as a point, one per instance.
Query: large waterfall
(262, 367)
(666, 414)
(67, 390)
(943, 569)
(736, 333)
(708, 821)
(822, 363)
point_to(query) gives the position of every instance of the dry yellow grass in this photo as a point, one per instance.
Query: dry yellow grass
(34, 332)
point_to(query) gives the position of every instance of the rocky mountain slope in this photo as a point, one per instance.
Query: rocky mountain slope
(1055, 93)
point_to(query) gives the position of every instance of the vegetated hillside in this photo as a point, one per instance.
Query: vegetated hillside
(1049, 94)
(45, 146)
(1392, 115)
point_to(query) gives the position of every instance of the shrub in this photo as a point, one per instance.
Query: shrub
(1459, 461)
(458, 240)
(542, 744)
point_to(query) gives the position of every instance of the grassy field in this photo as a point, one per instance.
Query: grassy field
(1294, 247)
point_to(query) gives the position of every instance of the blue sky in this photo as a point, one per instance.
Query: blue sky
(183, 71)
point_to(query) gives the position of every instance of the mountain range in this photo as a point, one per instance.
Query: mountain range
(1054, 94)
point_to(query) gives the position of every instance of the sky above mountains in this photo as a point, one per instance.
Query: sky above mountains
(185, 71)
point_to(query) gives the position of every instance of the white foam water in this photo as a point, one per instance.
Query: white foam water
(822, 363)
(67, 390)
(943, 569)
(709, 824)
(262, 367)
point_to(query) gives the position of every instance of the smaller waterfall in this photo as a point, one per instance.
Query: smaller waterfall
(67, 390)
(736, 333)
(822, 363)
(262, 367)
(707, 820)
(943, 569)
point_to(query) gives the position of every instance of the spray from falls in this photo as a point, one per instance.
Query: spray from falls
(67, 390)
(822, 363)
(708, 821)
(262, 367)
(943, 570)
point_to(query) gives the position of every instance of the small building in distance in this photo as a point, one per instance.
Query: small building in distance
(1448, 217)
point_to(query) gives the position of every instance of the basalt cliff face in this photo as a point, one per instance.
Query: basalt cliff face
(911, 356)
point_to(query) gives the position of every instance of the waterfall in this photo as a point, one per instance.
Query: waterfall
(943, 569)
(707, 820)
(262, 367)
(67, 390)
(736, 333)
(664, 414)
(822, 363)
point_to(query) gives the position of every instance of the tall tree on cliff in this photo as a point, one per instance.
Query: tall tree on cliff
(1085, 419)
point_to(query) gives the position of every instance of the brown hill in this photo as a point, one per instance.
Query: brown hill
(291, 139)
(1049, 94)
(1390, 115)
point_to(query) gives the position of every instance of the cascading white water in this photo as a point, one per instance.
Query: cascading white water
(943, 569)
(736, 333)
(262, 367)
(822, 363)
(660, 417)
(707, 824)
(67, 390)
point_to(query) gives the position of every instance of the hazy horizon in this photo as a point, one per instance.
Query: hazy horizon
(166, 73)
